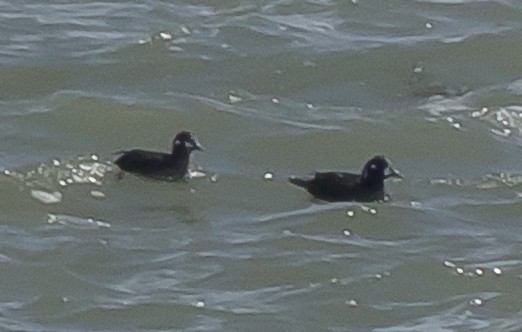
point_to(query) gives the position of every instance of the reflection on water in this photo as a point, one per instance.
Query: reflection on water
(64, 220)
(473, 272)
(488, 181)
(47, 182)
(506, 120)
(274, 87)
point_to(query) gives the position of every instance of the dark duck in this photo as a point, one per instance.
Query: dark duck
(171, 166)
(339, 186)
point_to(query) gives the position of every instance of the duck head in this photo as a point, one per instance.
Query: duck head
(376, 170)
(186, 141)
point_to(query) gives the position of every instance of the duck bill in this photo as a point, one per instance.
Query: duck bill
(393, 173)
(195, 145)
(198, 146)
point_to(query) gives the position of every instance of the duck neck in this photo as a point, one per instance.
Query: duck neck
(181, 156)
(375, 182)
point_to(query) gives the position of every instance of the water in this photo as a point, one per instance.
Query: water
(277, 88)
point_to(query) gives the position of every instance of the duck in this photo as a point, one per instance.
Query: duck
(152, 164)
(341, 186)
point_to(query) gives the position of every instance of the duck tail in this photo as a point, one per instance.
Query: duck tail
(300, 182)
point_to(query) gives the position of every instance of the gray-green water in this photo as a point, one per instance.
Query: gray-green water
(279, 86)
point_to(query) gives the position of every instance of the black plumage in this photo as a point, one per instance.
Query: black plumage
(340, 186)
(153, 164)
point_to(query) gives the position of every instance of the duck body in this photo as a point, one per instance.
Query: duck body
(153, 164)
(341, 186)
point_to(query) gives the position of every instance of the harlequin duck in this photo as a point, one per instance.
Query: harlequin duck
(340, 186)
(172, 166)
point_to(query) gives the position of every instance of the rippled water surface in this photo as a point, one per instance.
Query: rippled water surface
(273, 88)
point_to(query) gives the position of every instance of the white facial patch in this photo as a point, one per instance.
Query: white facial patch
(373, 166)
(190, 145)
